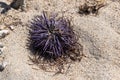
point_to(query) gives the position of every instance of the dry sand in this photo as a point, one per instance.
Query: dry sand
(99, 35)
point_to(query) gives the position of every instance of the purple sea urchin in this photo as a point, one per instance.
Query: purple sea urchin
(51, 37)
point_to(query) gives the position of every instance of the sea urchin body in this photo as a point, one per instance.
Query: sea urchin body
(51, 37)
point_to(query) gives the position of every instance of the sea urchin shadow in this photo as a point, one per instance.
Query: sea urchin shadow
(53, 40)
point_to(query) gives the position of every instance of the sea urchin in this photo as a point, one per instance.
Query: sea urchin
(51, 37)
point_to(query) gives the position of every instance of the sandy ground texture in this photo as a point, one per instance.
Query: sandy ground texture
(99, 35)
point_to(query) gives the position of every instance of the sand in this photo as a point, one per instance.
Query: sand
(99, 35)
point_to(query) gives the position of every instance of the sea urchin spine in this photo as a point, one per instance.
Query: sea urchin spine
(51, 37)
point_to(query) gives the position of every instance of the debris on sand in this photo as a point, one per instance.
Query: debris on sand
(91, 6)
(3, 33)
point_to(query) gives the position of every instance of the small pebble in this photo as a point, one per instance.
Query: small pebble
(3, 65)
(11, 28)
(1, 68)
(3, 33)
(1, 45)
(1, 50)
